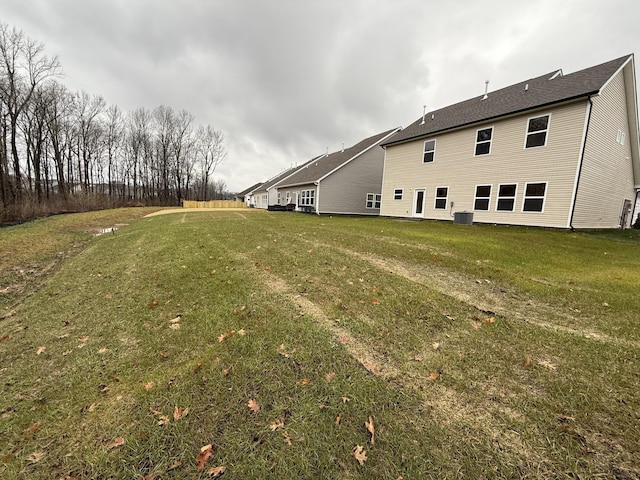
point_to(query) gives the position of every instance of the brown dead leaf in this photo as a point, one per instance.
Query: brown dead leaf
(176, 319)
(31, 430)
(345, 399)
(35, 457)
(375, 301)
(148, 386)
(197, 368)
(204, 456)
(434, 375)
(102, 350)
(40, 350)
(286, 438)
(304, 382)
(227, 371)
(93, 406)
(216, 471)
(489, 320)
(527, 362)
(174, 465)
(374, 289)
(174, 326)
(476, 324)
(343, 339)
(116, 442)
(436, 345)
(276, 424)
(418, 358)
(179, 413)
(337, 421)
(253, 406)
(67, 352)
(5, 337)
(330, 376)
(152, 304)
(359, 454)
(371, 428)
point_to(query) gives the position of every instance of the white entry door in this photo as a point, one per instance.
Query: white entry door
(419, 196)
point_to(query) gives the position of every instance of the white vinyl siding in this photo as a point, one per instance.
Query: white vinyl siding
(599, 197)
(459, 169)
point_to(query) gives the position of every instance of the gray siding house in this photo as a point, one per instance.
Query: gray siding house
(554, 151)
(348, 181)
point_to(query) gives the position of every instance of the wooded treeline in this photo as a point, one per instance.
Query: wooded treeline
(70, 151)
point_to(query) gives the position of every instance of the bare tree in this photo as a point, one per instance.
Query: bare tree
(210, 152)
(23, 66)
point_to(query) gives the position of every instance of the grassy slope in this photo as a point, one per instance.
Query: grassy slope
(340, 317)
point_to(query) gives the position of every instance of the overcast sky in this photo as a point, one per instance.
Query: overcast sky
(286, 79)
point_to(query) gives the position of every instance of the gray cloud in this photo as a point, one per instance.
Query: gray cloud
(285, 79)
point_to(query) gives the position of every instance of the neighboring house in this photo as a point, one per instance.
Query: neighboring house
(244, 195)
(348, 181)
(266, 194)
(553, 151)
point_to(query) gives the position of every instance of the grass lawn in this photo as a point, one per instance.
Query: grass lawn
(276, 345)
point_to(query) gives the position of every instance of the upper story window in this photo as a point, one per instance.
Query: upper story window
(506, 197)
(482, 197)
(397, 194)
(534, 194)
(441, 198)
(537, 130)
(483, 141)
(429, 151)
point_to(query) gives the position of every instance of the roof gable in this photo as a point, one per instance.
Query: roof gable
(538, 92)
(324, 165)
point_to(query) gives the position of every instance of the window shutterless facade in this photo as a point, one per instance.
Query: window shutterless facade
(441, 198)
(482, 198)
(397, 194)
(307, 197)
(373, 200)
(534, 195)
(537, 130)
(483, 141)
(287, 197)
(506, 197)
(429, 152)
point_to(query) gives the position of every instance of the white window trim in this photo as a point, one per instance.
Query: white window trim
(424, 146)
(287, 197)
(546, 137)
(475, 197)
(544, 198)
(515, 197)
(307, 198)
(373, 199)
(278, 198)
(490, 142)
(395, 193)
(436, 198)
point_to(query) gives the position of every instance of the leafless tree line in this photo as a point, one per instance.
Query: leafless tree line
(61, 150)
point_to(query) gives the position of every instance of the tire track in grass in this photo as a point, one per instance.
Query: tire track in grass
(480, 294)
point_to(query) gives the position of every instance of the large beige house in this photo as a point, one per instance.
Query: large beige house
(554, 151)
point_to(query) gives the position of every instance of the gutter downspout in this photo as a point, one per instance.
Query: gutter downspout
(584, 145)
(317, 184)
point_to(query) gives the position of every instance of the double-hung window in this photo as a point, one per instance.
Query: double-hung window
(441, 198)
(307, 197)
(537, 129)
(482, 198)
(287, 197)
(373, 200)
(507, 197)
(534, 194)
(429, 152)
(483, 141)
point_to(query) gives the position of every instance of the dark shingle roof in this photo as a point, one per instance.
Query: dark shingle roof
(321, 166)
(248, 190)
(529, 94)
